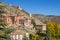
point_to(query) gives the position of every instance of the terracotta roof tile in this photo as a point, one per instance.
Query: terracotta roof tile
(18, 32)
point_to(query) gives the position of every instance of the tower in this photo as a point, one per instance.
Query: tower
(30, 15)
(20, 8)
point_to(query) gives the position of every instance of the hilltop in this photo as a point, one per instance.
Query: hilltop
(40, 18)
(47, 18)
(14, 10)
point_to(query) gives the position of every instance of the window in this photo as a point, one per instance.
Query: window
(17, 37)
(14, 37)
(20, 37)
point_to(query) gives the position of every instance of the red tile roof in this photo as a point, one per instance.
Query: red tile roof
(18, 32)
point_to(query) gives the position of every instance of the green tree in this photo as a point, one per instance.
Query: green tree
(35, 37)
(48, 34)
(51, 28)
(33, 22)
(25, 38)
(57, 30)
(54, 29)
(4, 33)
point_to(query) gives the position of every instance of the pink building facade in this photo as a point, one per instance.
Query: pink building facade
(9, 20)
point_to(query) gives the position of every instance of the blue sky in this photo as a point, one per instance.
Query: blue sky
(47, 7)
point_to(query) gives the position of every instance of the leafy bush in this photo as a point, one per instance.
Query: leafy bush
(35, 37)
(54, 30)
(4, 33)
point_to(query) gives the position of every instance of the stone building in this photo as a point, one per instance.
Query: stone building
(18, 20)
(42, 28)
(9, 20)
(28, 23)
(19, 35)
